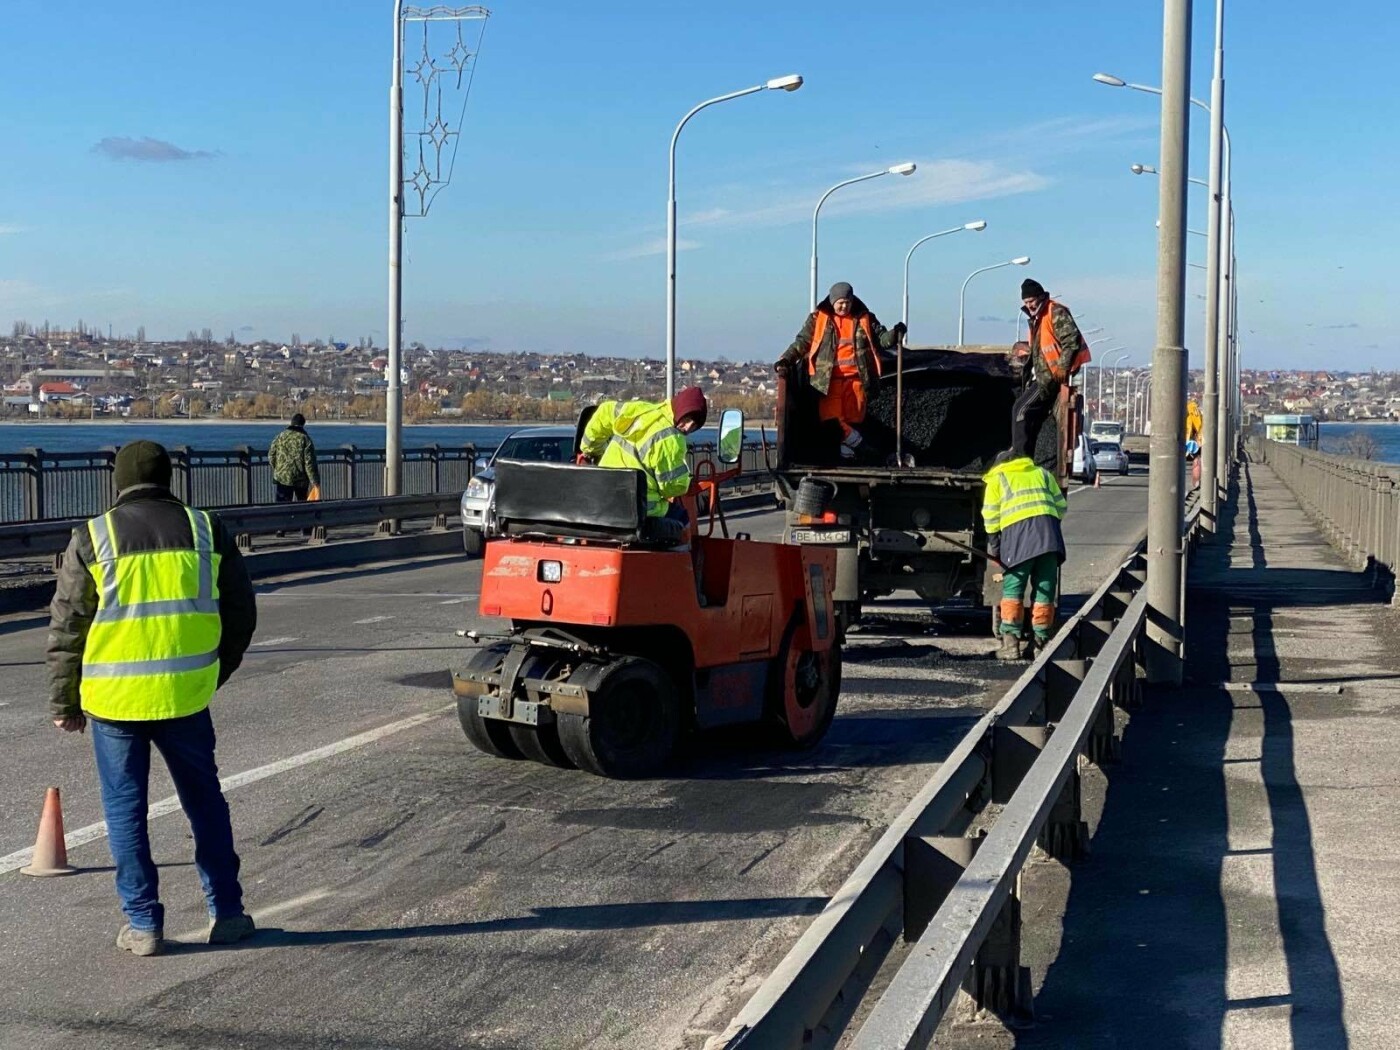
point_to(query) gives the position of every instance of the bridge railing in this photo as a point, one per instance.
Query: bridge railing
(945, 877)
(37, 485)
(1356, 502)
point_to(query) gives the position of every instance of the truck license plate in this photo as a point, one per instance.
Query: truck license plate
(821, 535)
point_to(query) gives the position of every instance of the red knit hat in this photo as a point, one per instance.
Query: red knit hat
(690, 402)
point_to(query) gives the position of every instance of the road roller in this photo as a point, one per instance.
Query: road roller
(625, 633)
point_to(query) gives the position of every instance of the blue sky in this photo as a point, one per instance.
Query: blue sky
(259, 205)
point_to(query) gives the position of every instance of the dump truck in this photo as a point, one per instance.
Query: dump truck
(906, 514)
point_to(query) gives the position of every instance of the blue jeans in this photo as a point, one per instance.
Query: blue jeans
(123, 767)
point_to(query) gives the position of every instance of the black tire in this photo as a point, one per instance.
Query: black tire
(541, 744)
(632, 724)
(488, 735)
(472, 541)
(807, 686)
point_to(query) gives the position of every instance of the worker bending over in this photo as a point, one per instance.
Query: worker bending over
(649, 436)
(1057, 352)
(1021, 510)
(840, 341)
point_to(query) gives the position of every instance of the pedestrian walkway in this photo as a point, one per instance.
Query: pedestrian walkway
(1243, 888)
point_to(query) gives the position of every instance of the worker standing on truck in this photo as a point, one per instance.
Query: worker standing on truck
(649, 436)
(1057, 352)
(1021, 510)
(840, 342)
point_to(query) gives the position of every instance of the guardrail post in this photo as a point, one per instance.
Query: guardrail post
(996, 983)
(350, 459)
(434, 468)
(1014, 751)
(183, 486)
(34, 484)
(1062, 680)
(1065, 836)
(245, 470)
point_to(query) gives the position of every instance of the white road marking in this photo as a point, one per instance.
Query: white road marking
(356, 596)
(374, 619)
(260, 916)
(461, 600)
(275, 641)
(93, 832)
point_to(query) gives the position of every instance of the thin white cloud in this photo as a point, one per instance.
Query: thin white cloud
(936, 183)
(7, 230)
(650, 248)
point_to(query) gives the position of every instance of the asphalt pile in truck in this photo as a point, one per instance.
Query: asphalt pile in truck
(957, 416)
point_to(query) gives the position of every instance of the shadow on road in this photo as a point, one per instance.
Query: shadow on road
(1148, 938)
(588, 917)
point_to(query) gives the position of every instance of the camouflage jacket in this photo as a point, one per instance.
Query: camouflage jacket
(1066, 334)
(293, 458)
(826, 353)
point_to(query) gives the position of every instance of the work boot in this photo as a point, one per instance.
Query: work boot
(1010, 648)
(850, 443)
(140, 942)
(231, 930)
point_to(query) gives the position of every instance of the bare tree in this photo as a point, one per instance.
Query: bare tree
(1360, 445)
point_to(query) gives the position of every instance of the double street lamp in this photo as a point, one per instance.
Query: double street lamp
(788, 83)
(907, 168)
(976, 226)
(1020, 260)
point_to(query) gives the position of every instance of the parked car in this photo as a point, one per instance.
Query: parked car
(1110, 456)
(1083, 467)
(533, 445)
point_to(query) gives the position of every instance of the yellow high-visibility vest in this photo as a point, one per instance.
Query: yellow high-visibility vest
(1017, 490)
(153, 648)
(641, 435)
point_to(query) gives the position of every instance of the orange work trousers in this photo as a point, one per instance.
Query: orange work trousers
(844, 401)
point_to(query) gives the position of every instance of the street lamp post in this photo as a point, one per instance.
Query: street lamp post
(907, 168)
(1165, 512)
(788, 83)
(1113, 381)
(1020, 260)
(1216, 365)
(1105, 352)
(976, 226)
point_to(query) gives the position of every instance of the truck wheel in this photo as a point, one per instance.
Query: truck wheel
(472, 541)
(811, 684)
(488, 735)
(632, 723)
(541, 743)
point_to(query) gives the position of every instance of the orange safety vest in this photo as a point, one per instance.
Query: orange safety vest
(845, 355)
(1050, 346)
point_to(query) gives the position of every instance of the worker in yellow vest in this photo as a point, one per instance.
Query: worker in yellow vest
(153, 612)
(1021, 511)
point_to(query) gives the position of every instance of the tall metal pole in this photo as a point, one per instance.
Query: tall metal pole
(1213, 433)
(904, 313)
(393, 399)
(816, 212)
(1165, 513)
(962, 295)
(1117, 403)
(1225, 453)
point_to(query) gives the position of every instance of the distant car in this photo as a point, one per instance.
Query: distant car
(1110, 456)
(533, 445)
(1083, 468)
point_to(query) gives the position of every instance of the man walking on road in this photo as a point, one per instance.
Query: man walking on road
(1021, 509)
(1057, 351)
(841, 341)
(153, 612)
(293, 461)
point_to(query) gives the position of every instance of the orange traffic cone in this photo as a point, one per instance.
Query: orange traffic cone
(50, 851)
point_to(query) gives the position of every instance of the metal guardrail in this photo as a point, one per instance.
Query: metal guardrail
(1356, 502)
(51, 537)
(953, 895)
(36, 485)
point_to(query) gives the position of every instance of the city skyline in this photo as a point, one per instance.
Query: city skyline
(239, 184)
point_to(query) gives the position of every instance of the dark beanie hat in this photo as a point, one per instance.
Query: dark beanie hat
(690, 402)
(298, 420)
(1031, 289)
(142, 463)
(841, 290)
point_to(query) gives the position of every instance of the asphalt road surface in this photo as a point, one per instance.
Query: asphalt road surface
(411, 892)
